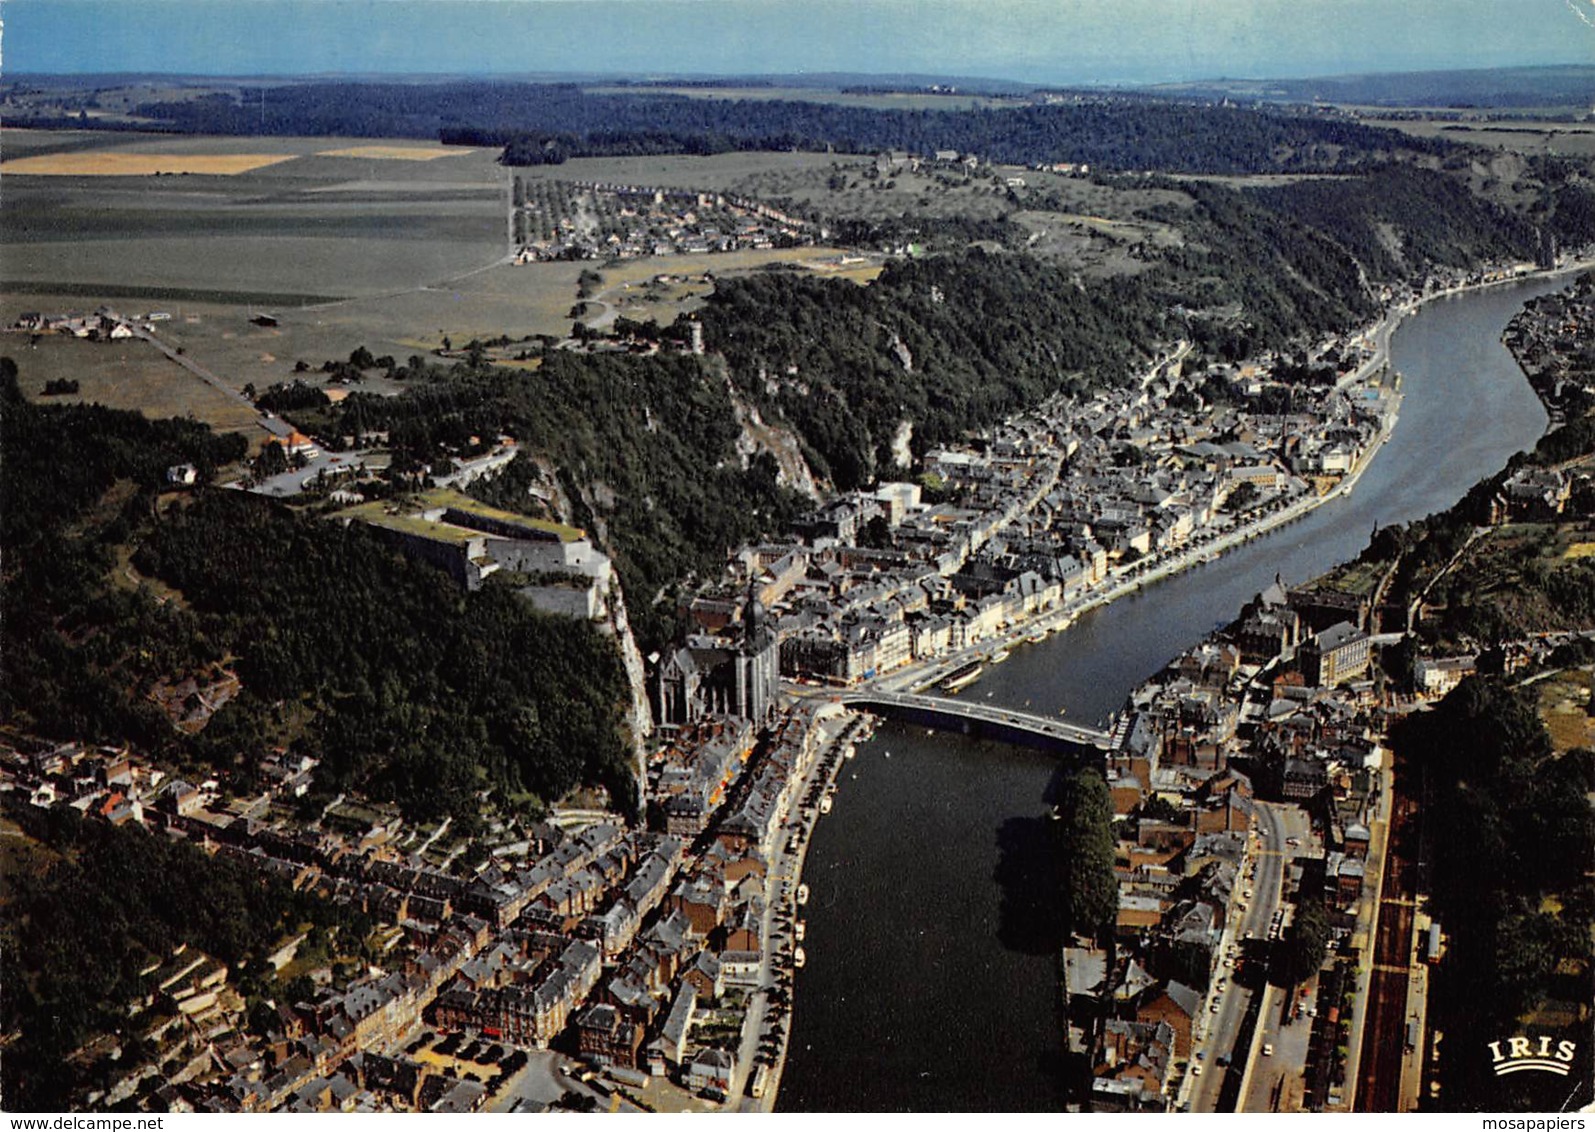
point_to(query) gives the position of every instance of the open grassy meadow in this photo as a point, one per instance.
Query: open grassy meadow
(401, 245)
(125, 214)
(1564, 702)
(1519, 135)
(126, 374)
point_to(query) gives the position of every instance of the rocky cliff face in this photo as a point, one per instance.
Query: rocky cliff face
(596, 500)
(792, 470)
(639, 718)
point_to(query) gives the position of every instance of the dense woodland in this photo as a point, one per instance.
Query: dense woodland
(552, 122)
(1438, 220)
(645, 450)
(1511, 838)
(1106, 133)
(417, 692)
(80, 649)
(950, 343)
(405, 687)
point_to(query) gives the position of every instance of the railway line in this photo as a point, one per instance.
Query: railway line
(1379, 1069)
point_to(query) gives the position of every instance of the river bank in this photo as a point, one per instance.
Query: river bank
(919, 836)
(1132, 579)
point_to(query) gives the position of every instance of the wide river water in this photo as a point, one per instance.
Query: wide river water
(932, 932)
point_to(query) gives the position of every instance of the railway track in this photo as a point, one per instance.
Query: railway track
(1384, 1034)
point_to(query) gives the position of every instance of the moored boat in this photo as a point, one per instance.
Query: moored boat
(963, 676)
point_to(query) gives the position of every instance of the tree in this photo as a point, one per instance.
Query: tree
(1306, 942)
(1090, 888)
(1241, 498)
(876, 535)
(1159, 808)
(271, 461)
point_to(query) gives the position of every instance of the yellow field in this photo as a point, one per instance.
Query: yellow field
(1581, 550)
(117, 163)
(1563, 700)
(395, 152)
(862, 274)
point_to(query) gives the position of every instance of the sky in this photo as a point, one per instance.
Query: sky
(1046, 41)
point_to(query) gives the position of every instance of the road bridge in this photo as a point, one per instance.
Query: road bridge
(984, 720)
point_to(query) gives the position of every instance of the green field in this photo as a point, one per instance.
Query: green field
(313, 225)
(397, 255)
(1517, 135)
(127, 374)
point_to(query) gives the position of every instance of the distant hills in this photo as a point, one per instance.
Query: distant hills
(1495, 88)
(1559, 86)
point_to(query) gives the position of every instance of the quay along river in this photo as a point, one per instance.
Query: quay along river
(932, 932)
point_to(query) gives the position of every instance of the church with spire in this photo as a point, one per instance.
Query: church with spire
(736, 674)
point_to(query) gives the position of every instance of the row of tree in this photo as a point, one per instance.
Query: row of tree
(548, 123)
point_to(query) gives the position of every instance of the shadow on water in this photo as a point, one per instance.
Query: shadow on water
(1029, 923)
(1027, 877)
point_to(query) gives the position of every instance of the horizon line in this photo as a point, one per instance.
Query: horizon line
(664, 77)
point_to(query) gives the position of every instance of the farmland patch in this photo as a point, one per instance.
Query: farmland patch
(122, 163)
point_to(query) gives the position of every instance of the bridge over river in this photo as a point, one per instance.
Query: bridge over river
(984, 720)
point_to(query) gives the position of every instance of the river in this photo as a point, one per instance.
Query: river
(931, 976)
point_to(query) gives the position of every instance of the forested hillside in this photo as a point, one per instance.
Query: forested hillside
(645, 449)
(948, 344)
(1398, 219)
(988, 334)
(551, 122)
(403, 686)
(1513, 838)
